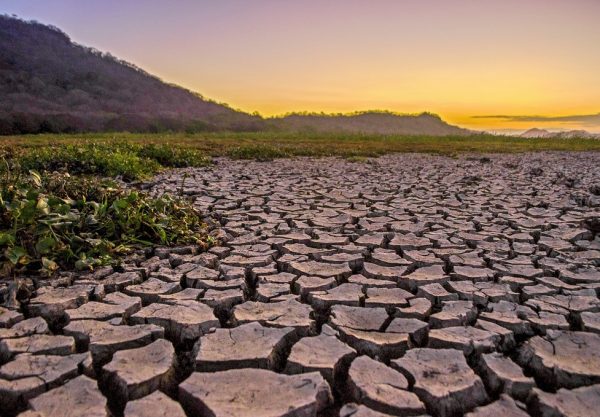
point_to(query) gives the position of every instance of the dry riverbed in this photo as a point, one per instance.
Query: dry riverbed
(405, 285)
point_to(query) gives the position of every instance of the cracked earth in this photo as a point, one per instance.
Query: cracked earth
(409, 285)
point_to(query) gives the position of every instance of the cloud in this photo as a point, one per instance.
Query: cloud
(587, 119)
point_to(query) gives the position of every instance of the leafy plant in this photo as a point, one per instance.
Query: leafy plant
(57, 221)
(126, 160)
(173, 155)
(89, 159)
(257, 152)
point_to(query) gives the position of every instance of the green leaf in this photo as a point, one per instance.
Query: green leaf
(28, 212)
(85, 263)
(82, 264)
(120, 204)
(16, 255)
(45, 245)
(162, 234)
(6, 239)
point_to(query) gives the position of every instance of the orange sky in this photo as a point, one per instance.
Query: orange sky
(457, 58)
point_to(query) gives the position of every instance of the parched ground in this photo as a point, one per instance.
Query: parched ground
(408, 285)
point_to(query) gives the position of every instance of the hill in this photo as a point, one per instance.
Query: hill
(50, 84)
(567, 134)
(536, 133)
(370, 122)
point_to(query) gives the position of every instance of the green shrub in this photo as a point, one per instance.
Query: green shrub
(126, 160)
(257, 152)
(173, 156)
(103, 160)
(57, 221)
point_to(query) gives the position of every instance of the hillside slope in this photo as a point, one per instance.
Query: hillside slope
(373, 122)
(48, 83)
(567, 134)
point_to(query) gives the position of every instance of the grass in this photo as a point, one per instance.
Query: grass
(269, 145)
(59, 208)
(129, 161)
(54, 221)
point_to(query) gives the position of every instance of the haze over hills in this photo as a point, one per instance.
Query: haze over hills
(50, 84)
(374, 122)
(568, 134)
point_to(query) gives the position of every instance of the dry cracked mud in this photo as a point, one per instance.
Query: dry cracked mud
(408, 285)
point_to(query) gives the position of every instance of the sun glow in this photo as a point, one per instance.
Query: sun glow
(457, 58)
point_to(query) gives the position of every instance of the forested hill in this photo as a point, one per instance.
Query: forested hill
(370, 122)
(50, 84)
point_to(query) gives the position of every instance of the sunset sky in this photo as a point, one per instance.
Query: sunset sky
(531, 63)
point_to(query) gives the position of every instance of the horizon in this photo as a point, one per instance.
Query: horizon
(348, 66)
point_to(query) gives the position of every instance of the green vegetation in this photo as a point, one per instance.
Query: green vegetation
(59, 207)
(269, 145)
(130, 161)
(260, 152)
(50, 219)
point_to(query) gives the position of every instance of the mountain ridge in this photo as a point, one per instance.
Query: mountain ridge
(49, 83)
(567, 134)
(369, 122)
